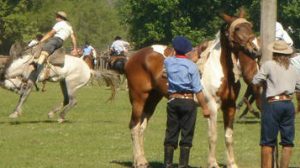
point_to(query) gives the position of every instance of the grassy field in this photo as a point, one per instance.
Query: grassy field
(96, 134)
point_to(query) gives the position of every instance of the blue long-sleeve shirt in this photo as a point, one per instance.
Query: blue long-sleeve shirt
(183, 75)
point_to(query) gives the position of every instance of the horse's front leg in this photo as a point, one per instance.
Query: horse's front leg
(228, 114)
(212, 134)
(24, 93)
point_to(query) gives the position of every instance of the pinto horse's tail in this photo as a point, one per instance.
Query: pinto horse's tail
(110, 79)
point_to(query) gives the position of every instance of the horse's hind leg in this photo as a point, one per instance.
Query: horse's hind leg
(138, 101)
(26, 90)
(149, 108)
(69, 100)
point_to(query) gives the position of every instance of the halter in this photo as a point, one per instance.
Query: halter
(231, 40)
(233, 26)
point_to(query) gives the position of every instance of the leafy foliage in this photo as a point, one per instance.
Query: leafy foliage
(155, 21)
(96, 21)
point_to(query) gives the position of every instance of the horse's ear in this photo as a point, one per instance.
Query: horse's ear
(226, 18)
(242, 13)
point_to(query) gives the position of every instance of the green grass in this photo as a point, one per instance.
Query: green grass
(97, 135)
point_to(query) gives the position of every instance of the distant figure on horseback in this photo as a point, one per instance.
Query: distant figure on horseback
(59, 33)
(35, 41)
(119, 47)
(89, 52)
(118, 52)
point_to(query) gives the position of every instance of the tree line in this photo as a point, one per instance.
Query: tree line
(95, 21)
(157, 21)
(143, 22)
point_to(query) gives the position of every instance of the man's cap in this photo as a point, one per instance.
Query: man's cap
(281, 47)
(62, 14)
(182, 45)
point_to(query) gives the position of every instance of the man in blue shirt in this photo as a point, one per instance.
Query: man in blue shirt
(183, 81)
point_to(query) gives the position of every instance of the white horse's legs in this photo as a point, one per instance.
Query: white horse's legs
(52, 113)
(143, 128)
(25, 91)
(212, 134)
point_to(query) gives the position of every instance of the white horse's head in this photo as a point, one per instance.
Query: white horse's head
(18, 68)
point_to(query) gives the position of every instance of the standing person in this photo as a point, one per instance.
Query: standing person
(59, 33)
(119, 47)
(183, 82)
(278, 113)
(35, 41)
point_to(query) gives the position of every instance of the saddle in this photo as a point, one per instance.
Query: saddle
(57, 58)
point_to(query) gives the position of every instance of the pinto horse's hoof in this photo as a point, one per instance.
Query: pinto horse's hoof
(141, 162)
(14, 115)
(61, 120)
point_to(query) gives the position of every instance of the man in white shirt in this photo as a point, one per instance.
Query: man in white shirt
(119, 47)
(281, 34)
(59, 33)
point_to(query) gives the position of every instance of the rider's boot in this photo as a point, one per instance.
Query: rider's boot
(40, 64)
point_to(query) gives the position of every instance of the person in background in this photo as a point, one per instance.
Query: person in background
(278, 113)
(35, 41)
(59, 33)
(89, 50)
(183, 83)
(119, 47)
(281, 34)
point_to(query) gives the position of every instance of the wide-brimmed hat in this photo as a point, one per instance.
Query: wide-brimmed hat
(182, 45)
(281, 47)
(62, 14)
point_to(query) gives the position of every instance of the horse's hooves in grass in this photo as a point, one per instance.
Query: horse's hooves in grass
(61, 120)
(51, 115)
(14, 115)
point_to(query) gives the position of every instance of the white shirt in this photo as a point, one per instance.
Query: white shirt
(281, 34)
(119, 46)
(63, 30)
(33, 43)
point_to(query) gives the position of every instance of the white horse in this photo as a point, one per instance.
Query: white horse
(72, 75)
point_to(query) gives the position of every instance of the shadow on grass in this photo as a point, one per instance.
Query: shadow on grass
(152, 164)
(33, 122)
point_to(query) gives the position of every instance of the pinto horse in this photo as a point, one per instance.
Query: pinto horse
(147, 85)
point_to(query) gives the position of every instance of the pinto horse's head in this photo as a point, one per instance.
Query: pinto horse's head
(240, 34)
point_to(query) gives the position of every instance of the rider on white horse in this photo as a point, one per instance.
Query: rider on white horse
(59, 33)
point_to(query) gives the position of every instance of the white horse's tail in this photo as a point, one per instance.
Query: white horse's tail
(110, 79)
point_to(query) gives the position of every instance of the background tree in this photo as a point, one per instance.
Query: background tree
(155, 21)
(96, 21)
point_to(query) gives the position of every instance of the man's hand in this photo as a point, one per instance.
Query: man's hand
(206, 112)
(74, 52)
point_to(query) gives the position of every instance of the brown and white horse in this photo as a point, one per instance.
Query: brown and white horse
(147, 85)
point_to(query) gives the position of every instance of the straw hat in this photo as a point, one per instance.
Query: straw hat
(280, 46)
(62, 14)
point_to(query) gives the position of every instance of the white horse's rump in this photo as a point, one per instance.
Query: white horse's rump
(73, 75)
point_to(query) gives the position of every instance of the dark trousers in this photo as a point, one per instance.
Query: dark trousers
(278, 116)
(53, 44)
(181, 117)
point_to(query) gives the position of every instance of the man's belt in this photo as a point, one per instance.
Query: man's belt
(181, 96)
(279, 98)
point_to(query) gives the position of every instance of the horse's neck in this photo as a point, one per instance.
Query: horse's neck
(17, 66)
